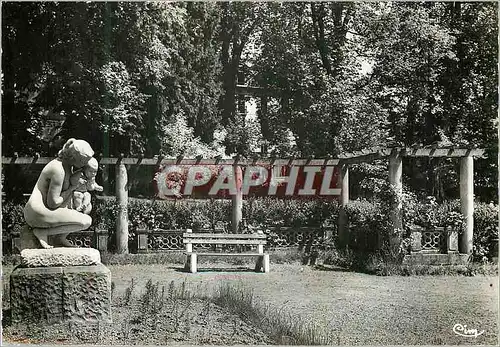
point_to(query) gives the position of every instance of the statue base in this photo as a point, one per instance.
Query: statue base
(55, 293)
(60, 256)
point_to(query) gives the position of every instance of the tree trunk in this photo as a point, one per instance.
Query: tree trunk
(317, 15)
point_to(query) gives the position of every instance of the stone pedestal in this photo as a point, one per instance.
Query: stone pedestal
(452, 241)
(436, 259)
(416, 239)
(50, 286)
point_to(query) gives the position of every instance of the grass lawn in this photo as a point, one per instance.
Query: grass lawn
(352, 308)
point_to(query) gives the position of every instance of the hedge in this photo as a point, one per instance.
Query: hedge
(366, 218)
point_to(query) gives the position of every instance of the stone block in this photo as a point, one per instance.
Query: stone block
(416, 238)
(36, 294)
(63, 256)
(101, 240)
(142, 241)
(58, 294)
(436, 259)
(87, 293)
(452, 241)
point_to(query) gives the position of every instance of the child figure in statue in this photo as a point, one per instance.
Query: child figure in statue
(81, 196)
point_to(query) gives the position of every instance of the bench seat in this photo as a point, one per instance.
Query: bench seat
(259, 240)
(220, 254)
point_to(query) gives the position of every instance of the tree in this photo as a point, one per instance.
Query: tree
(432, 80)
(120, 74)
(238, 22)
(306, 57)
(109, 69)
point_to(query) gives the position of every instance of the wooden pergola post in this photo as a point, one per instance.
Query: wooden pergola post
(344, 200)
(237, 200)
(467, 202)
(105, 178)
(396, 181)
(122, 203)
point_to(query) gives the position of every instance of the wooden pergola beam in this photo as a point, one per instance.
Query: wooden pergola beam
(255, 91)
(177, 161)
(443, 152)
(361, 159)
(26, 160)
(395, 156)
(356, 157)
(368, 155)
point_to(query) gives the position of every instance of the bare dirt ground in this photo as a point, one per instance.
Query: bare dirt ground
(357, 308)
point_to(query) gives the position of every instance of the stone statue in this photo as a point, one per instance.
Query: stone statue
(81, 196)
(49, 210)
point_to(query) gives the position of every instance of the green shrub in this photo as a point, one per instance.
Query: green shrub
(485, 231)
(104, 211)
(271, 211)
(370, 233)
(372, 179)
(205, 214)
(347, 258)
(195, 214)
(12, 223)
(12, 218)
(430, 214)
(158, 214)
(369, 224)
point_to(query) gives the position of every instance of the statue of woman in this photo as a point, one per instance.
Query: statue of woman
(48, 210)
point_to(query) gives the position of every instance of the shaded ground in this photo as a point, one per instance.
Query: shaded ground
(356, 308)
(194, 322)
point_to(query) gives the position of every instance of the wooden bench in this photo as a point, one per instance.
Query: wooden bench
(259, 240)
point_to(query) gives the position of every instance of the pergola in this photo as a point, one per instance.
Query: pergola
(395, 156)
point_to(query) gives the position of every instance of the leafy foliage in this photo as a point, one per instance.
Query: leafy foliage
(179, 139)
(430, 214)
(368, 225)
(303, 58)
(485, 231)
(123, 106)
(12, 218)
(277, 212)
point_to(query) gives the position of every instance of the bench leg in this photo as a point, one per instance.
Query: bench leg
(266, 263)
(259, 264)
(262, 263)
(192, 266)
